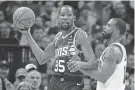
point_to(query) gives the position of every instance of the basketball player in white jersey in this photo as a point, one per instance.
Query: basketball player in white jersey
(112, 64)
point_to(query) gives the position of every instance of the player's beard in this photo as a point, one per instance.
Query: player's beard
(106, 35)
(65, 27)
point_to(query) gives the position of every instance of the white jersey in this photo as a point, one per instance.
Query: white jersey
(116, 81)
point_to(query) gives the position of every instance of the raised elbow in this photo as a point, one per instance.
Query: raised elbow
(41, 60)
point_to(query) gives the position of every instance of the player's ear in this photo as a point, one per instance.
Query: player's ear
(118, 31)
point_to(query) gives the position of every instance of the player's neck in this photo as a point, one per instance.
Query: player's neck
(66, 32)
(113, 40)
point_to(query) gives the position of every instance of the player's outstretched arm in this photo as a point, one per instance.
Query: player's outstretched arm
(41, 56)
(108, 65)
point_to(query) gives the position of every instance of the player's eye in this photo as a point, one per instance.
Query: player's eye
(32, 77)
(108, 25)
(69, 14)
(37, 77)
(62, 14)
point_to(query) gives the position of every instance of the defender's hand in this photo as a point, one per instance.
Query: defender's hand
(73, 66)
(74, 63)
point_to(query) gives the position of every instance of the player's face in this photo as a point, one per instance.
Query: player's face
(66, 18)
(34, 78)
(108, 29)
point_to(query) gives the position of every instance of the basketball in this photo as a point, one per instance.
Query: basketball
(23, 18)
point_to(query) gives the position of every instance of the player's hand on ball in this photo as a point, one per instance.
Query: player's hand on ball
(23, 19)
(24, 32)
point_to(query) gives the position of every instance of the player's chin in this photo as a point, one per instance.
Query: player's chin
(65, 28)
(34, 86)
(103, 33)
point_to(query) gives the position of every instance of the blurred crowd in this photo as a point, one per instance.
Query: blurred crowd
(91, 16)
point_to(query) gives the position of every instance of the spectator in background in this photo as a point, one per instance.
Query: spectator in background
(30, 67)
(92, 20)
(39, 21)
(96, 34)
(5, 30)
(121, 11)
(4, 71)
(12, 6)
(21, 75)
(80, 5)
(46, 41)
(87, 19)
(128, 41)
(130, 61)
(82, 20)
(106, 10)
(38, 34)
(34, 78)
(99, 48)
(6, 34)
(46, 10)
(43, 84)
(23, 86)
(2, 17)
(54, 15)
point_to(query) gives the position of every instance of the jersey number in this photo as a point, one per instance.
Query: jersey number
(59, 66)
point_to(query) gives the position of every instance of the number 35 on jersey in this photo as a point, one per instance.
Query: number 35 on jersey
(59, 66)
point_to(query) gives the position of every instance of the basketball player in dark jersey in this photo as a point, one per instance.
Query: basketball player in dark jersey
(69, 42)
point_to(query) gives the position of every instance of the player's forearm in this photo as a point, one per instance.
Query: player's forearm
(38, 52)
(88, 51)
(97, 75)
(89, 65)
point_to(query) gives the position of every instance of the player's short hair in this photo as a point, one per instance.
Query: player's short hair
(67, 6)
(120, 25)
